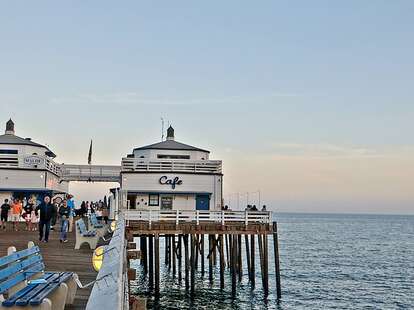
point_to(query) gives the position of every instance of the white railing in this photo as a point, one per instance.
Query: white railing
(29, 162)
(198, 216)
(165, 165)
(90, 173)
(110, 290)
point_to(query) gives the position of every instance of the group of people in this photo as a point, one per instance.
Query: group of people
(46, 214)
(248, 208)
(100, 208)
(16, 209)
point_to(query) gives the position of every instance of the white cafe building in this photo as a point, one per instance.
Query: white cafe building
(171, 175)
(27, 168)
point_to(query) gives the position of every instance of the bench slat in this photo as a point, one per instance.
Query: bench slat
(9, 283)
(20, 294)
(51, 286)
(38, 291)
(6, 260)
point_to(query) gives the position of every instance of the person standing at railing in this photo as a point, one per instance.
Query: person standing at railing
(16, 213)
(47, 212)
(5, 207)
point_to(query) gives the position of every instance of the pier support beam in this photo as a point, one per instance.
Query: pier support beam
(180, 255)
(210, 258)
(157, 265)
(174, 255)
(222, 263)
(277, 263)
(202, 254)
(150, 262)
(252, 262)
(193, 262)
(186, 262)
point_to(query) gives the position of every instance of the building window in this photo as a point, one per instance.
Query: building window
(154, 199)
(163, 156)
(8, 152)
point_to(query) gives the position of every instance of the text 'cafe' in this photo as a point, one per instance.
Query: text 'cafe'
(170, 175)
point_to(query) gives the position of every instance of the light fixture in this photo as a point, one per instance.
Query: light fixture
(112, 227)
(97, 258)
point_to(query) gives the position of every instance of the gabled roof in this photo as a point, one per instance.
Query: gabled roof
(16, 140)
(170, 145)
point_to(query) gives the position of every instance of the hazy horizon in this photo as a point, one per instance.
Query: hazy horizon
(309, 102)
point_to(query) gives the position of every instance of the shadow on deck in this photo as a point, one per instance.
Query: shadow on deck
(57, 257)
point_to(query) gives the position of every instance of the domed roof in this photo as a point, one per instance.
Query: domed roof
(10, 138)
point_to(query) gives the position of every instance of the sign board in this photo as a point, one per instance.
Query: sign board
(164, 180)
(33, 160)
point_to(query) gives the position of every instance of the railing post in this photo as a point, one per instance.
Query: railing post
(246, 218)
(176, 218)
(222, 218)
(149, 217)
(197, 217)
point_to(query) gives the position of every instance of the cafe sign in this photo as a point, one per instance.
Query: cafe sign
(164, 180)
(33, 160)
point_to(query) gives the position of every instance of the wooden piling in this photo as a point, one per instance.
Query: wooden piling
(202, 254)
(233, 251)
(166, 249)
(186, 262)
(150, 262)
(246, 243)
(144, 254)
(222, 263)
(192, 262)
(173, 256)
(239, 257)
(157, 265)
(180, 254)
(260, 242)
(227, 250)
(277, 263)
(197, 249)
(266, 264)
(252, 262)
(210, 258)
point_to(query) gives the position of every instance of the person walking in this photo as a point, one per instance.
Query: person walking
(71, 205)
(5, 207)
(105, 214)
(16, 213)
(64, 213)
(47, 212)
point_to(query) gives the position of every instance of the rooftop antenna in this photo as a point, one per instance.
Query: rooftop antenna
(162, 129)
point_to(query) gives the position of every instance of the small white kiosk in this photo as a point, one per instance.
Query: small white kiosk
(170, 175)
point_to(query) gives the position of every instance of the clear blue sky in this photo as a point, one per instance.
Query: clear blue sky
(313, 98)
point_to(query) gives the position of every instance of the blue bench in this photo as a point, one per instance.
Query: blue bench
(83, 235)
(94, 221)
(23, 282)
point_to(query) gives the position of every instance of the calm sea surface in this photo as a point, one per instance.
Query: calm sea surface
(327, 262)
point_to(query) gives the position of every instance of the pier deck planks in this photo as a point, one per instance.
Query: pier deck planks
(57, 257)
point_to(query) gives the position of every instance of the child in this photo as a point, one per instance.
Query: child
(34, 220)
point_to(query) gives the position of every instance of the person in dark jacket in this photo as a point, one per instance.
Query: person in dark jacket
(5, 207)
(64, 213)
(47, 212)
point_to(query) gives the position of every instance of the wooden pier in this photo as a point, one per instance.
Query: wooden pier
(196, 239)
(57, 257)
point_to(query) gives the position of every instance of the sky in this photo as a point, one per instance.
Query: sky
(310, 102)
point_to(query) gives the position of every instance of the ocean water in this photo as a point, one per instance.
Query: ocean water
(327, 262)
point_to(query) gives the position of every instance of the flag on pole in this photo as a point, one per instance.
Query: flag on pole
(90, 154)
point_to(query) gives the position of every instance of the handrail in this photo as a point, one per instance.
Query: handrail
(199, 216)
(167, 165)
(29, 162)
(109, 289)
